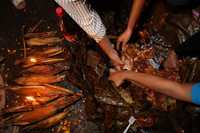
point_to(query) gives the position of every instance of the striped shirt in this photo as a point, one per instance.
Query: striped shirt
(86, 18)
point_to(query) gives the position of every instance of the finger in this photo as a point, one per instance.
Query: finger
(118, 68)
(110, 78)
(116, 82)
(111, 75)
(119, 83)
(118, 45)
(124, 46)
(119, 40)
(112, 71)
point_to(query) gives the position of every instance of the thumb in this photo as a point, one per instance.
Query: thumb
(118, 44)
(120, 38)
(124, 46)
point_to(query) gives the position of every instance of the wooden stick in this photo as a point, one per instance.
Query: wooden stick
(23, 41)
(36, 26)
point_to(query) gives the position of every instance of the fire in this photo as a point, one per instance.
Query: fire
(32, 100)
(33, 60)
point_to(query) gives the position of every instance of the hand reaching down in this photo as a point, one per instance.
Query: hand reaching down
(117, 77)
(124, 37)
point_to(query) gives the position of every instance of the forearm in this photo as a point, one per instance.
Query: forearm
(86, 18)
(135, 13)
(164, 86)
(106, 46)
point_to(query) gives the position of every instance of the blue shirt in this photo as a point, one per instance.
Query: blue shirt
(195, 94)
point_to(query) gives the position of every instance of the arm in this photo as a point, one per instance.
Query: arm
(164, 86)
(133, 18)
(135, 13)
(87, 19)
(112, 54)
(91, 23)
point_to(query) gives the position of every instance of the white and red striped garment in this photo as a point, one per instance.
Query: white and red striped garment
(86, 18)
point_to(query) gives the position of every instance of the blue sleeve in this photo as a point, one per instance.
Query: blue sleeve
(196, 93)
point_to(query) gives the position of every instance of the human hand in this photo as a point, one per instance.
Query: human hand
(107, 47)
(117, 77)
(116, 61)
(20, 4)
(124, 37)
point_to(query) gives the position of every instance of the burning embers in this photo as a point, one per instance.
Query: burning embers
(32, 100)
(40, 104)
(42, 56)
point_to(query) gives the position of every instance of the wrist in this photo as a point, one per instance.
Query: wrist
(105, 44)
(127, 75)
(129, 29)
